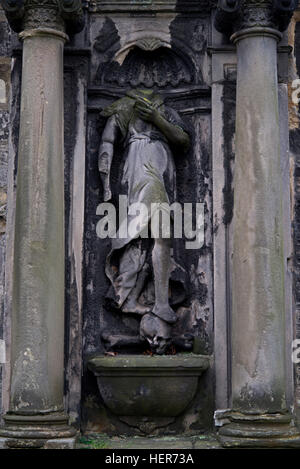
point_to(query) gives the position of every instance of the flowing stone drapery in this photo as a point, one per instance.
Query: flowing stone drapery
(36, 417)
(259, 415)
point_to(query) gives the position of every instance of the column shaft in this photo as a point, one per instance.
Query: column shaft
(258, 339)
(259, 415)
(38, 291)
(36, 417)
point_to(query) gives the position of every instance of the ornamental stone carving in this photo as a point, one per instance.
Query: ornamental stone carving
(235, 15)
(62, 15)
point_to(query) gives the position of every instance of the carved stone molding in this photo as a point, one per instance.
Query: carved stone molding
(236, 15)
(154, 6)
(148, 64)
(62, 15)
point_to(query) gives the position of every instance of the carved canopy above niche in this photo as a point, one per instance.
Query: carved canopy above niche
(148, 64)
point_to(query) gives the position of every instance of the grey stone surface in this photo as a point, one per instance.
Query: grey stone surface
(223, 133)
(60, 443)
(55, 443)
(259, 376)
(37, 317)
(258, 311)
(93, 441)
(143, 386)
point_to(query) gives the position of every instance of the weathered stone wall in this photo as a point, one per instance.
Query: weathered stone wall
(294, 125)
(98, 69)
(4, 139)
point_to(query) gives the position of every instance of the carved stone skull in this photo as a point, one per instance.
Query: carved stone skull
(157, 333)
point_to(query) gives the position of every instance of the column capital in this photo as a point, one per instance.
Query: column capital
(238, 15)
(61, 15)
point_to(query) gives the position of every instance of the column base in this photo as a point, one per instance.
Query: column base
(259, 431)
(45, 431)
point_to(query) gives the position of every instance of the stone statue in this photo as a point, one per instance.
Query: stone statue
(142, 271)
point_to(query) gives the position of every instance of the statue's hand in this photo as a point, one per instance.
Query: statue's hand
(146, 110)
(107, 195)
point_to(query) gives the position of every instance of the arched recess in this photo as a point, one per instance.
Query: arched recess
(147, 62)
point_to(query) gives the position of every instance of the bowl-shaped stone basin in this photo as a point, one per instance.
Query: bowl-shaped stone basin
(141, 385)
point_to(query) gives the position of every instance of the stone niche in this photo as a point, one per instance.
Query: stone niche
(136, 45)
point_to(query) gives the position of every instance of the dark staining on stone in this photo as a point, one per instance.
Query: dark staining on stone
(294, 141)
(7, 123)
(70, 117)
(108, 38)
(294, 146)
(228, 132)
(192, 177)
(106, 44)
(5, 36)
(297, 46)
(15, 107)
(96, 318)
(196, 41)
(95, 249)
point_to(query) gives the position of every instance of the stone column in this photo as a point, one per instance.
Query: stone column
(36, 417)
(259, 415)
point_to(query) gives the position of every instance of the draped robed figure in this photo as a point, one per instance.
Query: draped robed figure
(144, 275)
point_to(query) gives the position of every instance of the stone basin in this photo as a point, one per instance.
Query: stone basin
(141, 385)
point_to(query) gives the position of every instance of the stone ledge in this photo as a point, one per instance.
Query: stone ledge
(102, 441)
(55, 443)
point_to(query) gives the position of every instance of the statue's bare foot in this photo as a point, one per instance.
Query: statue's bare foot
(166, 313)
(135, 307)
